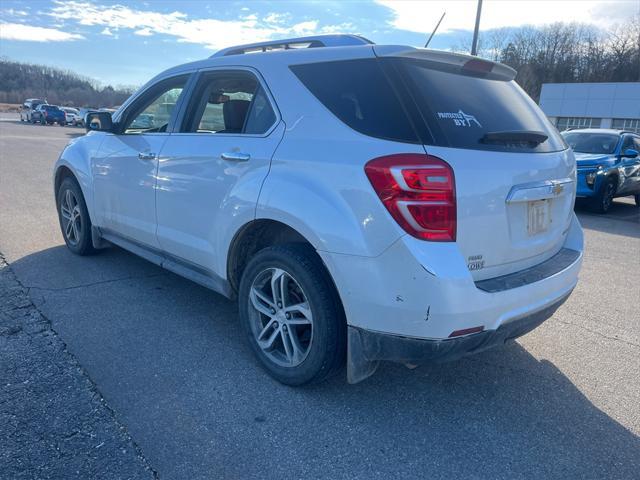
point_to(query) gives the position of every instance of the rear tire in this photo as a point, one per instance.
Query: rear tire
(297, 329)
(603, 200)
(73, 215)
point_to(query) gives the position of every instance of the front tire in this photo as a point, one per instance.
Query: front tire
(73, 215)
(291, 315)
(604, 199)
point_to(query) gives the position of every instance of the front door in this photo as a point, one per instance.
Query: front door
(211, 170)
(629, 167)
(125, 169)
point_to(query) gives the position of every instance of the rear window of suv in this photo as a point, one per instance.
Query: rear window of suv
(447, 107)
(360, 95)
(462, 108)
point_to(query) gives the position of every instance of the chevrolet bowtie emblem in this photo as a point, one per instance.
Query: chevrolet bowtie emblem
(557, 189)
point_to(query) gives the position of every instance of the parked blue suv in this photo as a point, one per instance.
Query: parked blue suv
(608, 165)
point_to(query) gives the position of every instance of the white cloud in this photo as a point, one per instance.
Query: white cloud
(28, 33)
(277, 17)
(209, 32)
(305, 28)
(144, 32)
(15, 13)
(422, 16)
(107, 32)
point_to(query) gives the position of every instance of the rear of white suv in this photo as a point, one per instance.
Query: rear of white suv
(394, 203)
(476, 243)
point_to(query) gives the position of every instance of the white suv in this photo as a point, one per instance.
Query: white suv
(362, 202)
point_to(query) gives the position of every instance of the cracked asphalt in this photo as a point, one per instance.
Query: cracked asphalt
(158, 365)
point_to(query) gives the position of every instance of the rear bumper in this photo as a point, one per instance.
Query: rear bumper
(368, 348)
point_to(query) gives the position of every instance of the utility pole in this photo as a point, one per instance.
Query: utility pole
(474, 44)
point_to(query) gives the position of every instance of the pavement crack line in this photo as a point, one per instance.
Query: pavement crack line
(93, 387)
(92, 284)
(599, 334)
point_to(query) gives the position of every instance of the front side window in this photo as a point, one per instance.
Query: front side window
(152, 112)
(627, 143)
(229, 102)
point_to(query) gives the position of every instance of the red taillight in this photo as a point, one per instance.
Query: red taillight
(419, 193)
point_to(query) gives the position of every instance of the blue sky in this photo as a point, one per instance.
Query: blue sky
(127, 42)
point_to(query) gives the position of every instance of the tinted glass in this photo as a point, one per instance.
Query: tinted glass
(627, 143)
(460, 108)
(261, 116)
(597, 143)
(221, 102)
(50, 108)
(359, 94)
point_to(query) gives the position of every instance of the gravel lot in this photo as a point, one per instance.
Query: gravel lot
(161, 363)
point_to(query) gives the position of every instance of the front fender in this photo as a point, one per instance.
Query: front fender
(76, 157)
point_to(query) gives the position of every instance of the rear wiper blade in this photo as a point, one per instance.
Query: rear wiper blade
(509, 137)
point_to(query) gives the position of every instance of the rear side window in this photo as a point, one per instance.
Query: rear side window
(360, 95)
(231, 102)
(461, 109)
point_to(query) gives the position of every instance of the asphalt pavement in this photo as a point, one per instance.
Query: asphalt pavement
(168, 358)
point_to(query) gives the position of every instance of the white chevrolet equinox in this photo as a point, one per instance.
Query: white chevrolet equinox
(362, 202)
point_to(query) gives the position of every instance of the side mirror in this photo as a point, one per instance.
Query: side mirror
(630, 153)
(99, 122)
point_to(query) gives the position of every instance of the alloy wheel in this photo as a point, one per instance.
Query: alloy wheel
(71, 217)
(281, 318)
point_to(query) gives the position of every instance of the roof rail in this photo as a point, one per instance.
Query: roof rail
(338, 40)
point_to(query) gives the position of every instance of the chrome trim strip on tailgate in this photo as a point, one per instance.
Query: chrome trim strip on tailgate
(539, 190)
(561, 260)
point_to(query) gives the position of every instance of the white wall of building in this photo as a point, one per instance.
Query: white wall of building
(592, 104)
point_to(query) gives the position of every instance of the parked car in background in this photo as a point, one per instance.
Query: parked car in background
(359, 203)
(28, 107)
(82, 115)
(48, 115)
(608, 165)
(71, 115)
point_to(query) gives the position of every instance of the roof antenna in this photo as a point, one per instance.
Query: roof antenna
(435, 29)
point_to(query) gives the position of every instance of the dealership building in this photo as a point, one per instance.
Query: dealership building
(592, 105)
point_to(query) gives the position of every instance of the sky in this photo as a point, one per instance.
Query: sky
(127, 42)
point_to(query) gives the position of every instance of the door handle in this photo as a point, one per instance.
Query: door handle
(146, 156)
(235, 156)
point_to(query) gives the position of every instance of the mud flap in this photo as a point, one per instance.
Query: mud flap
(96, 239)
(359, 367)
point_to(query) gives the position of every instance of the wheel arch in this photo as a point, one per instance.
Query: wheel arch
(253, 237)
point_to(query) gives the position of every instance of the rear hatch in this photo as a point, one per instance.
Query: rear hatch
(514, 176)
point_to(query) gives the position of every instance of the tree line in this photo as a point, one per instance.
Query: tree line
(19, 81)
(564, 53)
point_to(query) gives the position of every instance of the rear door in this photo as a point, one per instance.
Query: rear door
(212, 168)
(514, 176)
